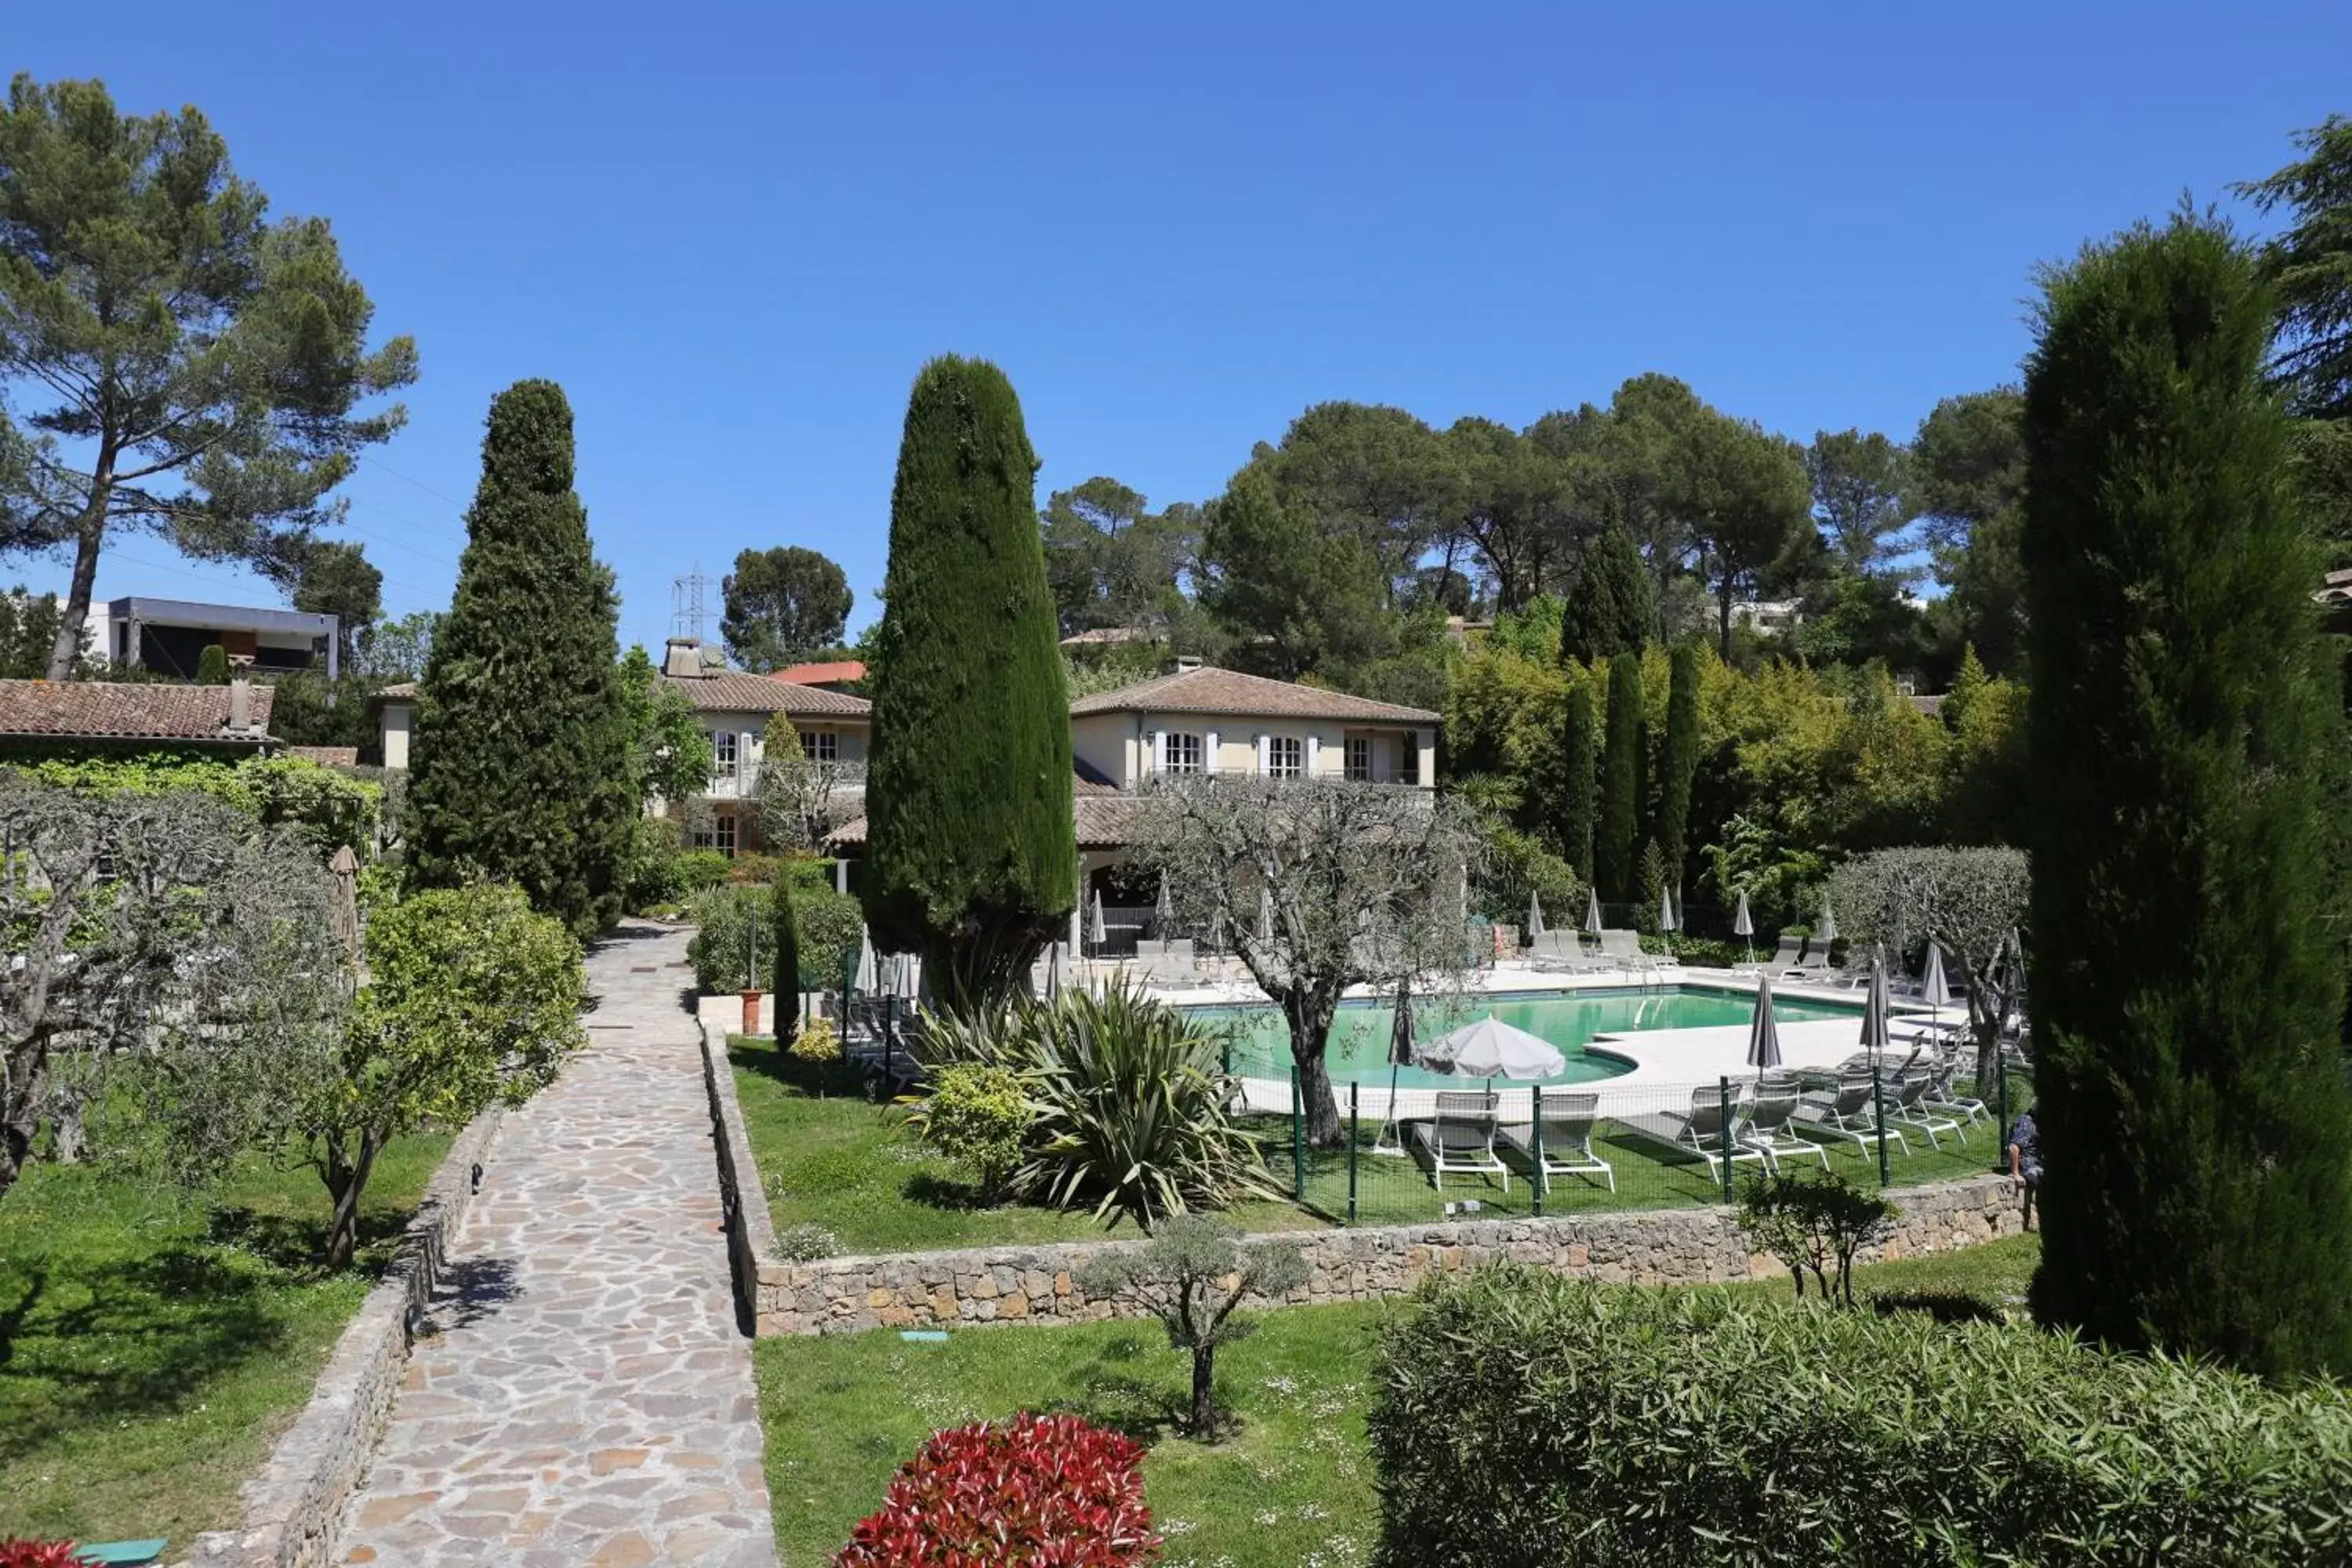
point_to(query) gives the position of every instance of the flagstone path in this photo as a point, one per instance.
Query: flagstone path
(587, 1400)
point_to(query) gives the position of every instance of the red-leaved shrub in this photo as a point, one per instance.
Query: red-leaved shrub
(17, 1553)
(1036, 1491)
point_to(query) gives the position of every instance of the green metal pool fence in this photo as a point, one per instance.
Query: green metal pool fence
(1514, 1151)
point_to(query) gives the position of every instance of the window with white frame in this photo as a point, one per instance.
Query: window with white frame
(1285, 757)
(722, 754)
(819, 745)
(1183, 753)
(1360, 759)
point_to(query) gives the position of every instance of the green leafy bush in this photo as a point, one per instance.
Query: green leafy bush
(329, 807)
(1815, 1220)
(733, 937)
(978, 1117)
(830, 925)
(698, 870)
(1130, 1103)
(1520, 1419)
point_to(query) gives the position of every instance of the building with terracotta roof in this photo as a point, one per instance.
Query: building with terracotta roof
(46, 715)
(831, 674)
(1198, 720)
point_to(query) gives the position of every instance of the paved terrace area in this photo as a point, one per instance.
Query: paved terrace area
(587, 1400)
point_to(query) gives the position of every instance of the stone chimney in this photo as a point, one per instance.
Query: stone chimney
(240, 704)
(682, 658)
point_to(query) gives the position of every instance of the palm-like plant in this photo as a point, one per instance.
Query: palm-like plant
(1129, 1101)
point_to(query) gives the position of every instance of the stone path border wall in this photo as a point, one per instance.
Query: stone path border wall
(1653, 1247)
(1036, 1284)
(292, 1505)
(751, 1234)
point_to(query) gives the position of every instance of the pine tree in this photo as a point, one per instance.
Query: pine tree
(1968, 685)
(787, 944)
(1579, 808)
(1608, 608)
(520, 771)
(1678, 762)
(1616, 866)
(972, 853)
(2187, 947)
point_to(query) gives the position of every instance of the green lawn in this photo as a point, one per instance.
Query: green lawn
(1293, 1486)
(827, 1157)
(152, 1348)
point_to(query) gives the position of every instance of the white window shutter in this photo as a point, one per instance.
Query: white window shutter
(1263, 743)
(1159, 753)
(1209, 752)
(1314, 755)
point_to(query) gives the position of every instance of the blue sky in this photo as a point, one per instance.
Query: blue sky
(734, 232)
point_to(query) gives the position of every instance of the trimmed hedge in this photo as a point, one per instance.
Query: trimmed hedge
(1520, 1418)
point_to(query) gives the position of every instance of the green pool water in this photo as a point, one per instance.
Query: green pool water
(1359, 1034)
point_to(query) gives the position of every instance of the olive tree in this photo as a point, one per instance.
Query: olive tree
(1192, 1275)
(1969, 902)
(169, 931)
(801, 799)
(472, 998)
(1325, 885)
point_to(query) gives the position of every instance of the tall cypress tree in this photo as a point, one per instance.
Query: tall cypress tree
(2187, 949)
(1678, 761)
(1608, 607)
(520, 769)
(1579, 808)
(787, 944)
(972, 853)
(1616, 851)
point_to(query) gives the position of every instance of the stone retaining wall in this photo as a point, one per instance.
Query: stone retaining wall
(293, 1506)
(1036, 1284)
(751, 1234)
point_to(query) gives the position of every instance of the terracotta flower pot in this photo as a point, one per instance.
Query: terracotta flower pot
(751, 1011)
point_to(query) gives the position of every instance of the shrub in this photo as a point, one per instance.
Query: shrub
(698, 870)
(1190, 1277)
(1522, 1419)
(978, 1117)
(817, 1043)
(733, 936)
(19, 1553)
(1129, 1098)
(1036, 1491)
(806, 1243)
(830, 924)
(1816, 1221)
(472, 997)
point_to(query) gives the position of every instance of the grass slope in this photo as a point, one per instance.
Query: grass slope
(1293, 1488)
(152, 1348)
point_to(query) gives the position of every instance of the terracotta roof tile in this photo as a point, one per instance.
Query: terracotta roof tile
(1212, 691)
(104, 709)
(820, 673)
(736, 692)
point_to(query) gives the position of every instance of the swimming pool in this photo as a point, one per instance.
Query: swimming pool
(1358, 1047)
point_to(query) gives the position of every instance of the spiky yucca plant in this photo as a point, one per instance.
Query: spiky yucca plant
(1130, 1101)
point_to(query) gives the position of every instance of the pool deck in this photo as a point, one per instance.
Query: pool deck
(1668, 1064)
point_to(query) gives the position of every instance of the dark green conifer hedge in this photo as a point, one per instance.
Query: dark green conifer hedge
(520, 771)
(2188, 936)
(972, 857)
